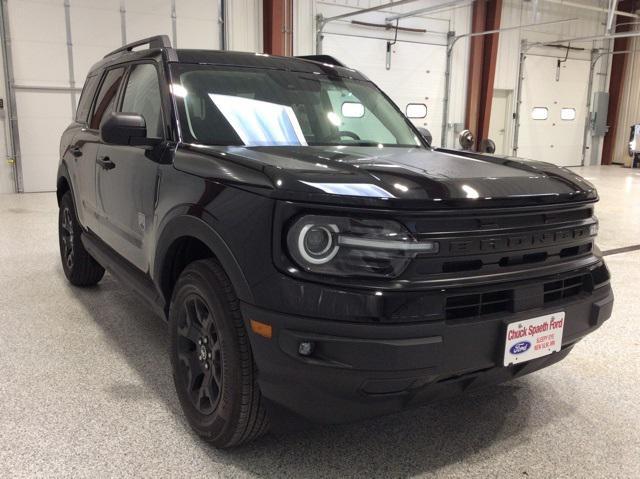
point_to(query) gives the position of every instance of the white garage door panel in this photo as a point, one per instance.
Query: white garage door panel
(202, 9)
(416, 74)
(39, 50)
(102, 4)
(42, 119)
(28, 60)
(37, 32)
(37, 20)
(554, 140)
(143, 25)
(195, 33)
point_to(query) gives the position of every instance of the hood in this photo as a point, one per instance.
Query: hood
(407, 177)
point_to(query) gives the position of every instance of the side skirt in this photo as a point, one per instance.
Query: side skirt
(125, 272)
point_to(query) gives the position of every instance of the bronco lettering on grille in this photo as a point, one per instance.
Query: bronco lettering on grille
(505, 243)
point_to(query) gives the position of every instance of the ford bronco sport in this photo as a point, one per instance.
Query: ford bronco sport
(309, 249)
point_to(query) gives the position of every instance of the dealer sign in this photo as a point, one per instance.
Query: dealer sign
(533, 338)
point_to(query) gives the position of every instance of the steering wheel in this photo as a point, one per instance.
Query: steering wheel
(350, 134)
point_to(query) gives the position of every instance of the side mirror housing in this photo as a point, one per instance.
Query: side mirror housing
(124, 129)
(426, 134)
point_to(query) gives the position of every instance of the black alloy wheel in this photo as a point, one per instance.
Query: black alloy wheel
(200, 354)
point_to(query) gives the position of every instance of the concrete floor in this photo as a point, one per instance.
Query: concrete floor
(86, 390)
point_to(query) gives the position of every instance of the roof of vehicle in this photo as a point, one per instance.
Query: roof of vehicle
(159, 49)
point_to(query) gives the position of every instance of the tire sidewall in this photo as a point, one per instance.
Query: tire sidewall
(67, 202)
(216, 426)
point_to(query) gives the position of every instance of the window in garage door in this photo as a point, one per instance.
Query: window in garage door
(365, 125)
(142, 96)
(106, 101)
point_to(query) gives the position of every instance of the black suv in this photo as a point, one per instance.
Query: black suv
(310, 250)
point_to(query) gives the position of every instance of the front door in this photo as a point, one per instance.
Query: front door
(127, 176)
(86, 142)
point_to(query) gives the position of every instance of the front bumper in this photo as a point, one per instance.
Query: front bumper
(359, 370)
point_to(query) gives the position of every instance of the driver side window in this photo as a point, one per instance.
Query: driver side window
(142, 96)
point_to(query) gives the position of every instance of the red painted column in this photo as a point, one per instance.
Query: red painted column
(277, 27)
(482, 67)
(616, 83)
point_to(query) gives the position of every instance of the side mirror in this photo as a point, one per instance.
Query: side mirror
(124, 129)
(426, 134)
(466, 139)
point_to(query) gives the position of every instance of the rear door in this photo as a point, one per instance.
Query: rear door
(126, 189)
(85, 145)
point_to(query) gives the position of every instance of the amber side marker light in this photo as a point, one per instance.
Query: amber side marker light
(262, 329)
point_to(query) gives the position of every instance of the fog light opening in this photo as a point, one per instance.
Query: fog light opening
(305, 348)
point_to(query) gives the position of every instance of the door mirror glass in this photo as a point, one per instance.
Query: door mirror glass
(352, 109)
(124, 129)
(416, 110)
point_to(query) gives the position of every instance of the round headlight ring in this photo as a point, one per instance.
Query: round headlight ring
(327, 253)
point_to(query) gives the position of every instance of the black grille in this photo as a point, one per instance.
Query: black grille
(563, 288)
(471, 305)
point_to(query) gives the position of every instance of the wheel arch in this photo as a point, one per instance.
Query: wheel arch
(63, 183)
(185, 239)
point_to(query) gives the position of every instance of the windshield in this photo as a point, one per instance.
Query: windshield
(259, 107)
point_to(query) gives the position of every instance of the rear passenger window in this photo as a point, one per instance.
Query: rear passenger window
(142, 96)
(84, 105)
(106, 101)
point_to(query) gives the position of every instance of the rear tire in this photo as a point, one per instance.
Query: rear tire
(213, 368)
(79, 266)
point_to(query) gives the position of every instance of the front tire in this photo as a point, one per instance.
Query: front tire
(79, 266)
(213, 368)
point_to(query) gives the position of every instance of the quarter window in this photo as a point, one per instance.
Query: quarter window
(106, 101)
(142, 96)
(84, 105)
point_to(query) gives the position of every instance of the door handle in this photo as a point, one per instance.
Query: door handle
(105, 162)
(76, 151)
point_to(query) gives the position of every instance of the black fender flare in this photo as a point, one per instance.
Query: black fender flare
(63, 174)
(183, 225)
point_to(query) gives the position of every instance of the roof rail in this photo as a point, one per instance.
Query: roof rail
(322, 59)
(158, 41)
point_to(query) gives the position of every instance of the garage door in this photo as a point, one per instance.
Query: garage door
(416, 73)
(39, 32)
(552, 113)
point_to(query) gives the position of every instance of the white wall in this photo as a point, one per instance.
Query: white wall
(38, 30)
(364, 48)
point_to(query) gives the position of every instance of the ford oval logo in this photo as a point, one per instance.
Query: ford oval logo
(520, 347)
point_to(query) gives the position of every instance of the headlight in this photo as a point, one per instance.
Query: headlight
(353, 247)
